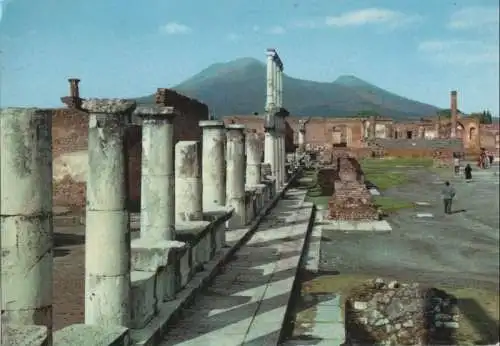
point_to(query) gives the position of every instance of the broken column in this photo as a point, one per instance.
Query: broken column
(235, 185)
(214, 164)
(26, 216)
(454, 113)
(188, 188)
(107, 230)
(157, 173)
(253, 152)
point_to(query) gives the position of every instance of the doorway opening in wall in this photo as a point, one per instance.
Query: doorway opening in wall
(409, 135)
(396, 135)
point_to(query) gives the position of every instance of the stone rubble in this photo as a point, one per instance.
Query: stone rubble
(394, 313)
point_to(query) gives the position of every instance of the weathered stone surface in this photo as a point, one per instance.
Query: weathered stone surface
(108, 106)
(400, 314)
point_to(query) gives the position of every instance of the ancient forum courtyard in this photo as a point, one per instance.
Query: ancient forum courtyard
(134, 224)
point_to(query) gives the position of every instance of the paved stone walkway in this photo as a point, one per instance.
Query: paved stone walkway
(246, 303)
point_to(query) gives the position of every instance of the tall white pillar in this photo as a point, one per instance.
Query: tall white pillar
(271, 136)
(26, 216)
(107, 230)
(213, 163)
(157, 173)
(235, 192)
(188, 188)
(254, 153)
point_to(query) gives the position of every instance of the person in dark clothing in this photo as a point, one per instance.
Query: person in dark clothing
(468, 173)
(491, 157)
(448, 193)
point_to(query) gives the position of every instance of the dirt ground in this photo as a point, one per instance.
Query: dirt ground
(458, 253)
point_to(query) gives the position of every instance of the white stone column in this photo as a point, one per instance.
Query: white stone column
(26, 216)
(302, 139)
(270, 139)
(235, 188)
(188, 188)
(254, 153)
(214, 164)
(107, 230)
(157, 172)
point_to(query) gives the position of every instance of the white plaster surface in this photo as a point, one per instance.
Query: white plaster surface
(157, 179)
(188, 187)
(373, 226)
(25, 216)
(235, 176)
(73, 165)
(213, 163)
(107, 245)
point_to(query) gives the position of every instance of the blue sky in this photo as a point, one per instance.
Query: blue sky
(417, 48)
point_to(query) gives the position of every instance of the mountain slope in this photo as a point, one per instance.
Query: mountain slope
(238, 87)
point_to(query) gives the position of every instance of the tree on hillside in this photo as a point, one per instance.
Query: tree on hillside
(367, 113)
(484, 117)
(446, 113)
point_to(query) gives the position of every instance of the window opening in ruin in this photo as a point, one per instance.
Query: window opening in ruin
(408, 135)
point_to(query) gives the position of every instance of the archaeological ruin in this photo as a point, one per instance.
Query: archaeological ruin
(158, 188)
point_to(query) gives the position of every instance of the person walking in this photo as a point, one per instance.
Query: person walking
(468, 173)
(448, 193)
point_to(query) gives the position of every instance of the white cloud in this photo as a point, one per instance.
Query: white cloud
(233, 37)
(277, 30)
(370, 16)
(475, 17)
(174, 28)
(461, 52)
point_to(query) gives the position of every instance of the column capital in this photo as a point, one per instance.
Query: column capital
(108, 106)
(155, 112)
(211, 123)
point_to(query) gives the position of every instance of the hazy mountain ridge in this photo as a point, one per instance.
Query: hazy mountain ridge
(238, 87)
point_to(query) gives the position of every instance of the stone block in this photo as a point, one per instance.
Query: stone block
(197, 235)
(23, 335)
(149, 255)
(90, 335)
(143, 298)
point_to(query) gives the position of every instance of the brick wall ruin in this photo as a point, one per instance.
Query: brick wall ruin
(69, 140)
(351, 200)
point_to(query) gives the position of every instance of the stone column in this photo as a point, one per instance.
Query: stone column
(270, 127)
(188, 188)
(253, 152)
(454, 113)
(372, 133)
(157, 173)
(235, 188)
(214, 164)
(107, 230)
(302, 139)
(26, 216)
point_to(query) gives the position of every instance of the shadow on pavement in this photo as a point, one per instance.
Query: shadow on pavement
(481, 321)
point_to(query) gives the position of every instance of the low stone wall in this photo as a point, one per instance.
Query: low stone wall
(351, 199)
(379, 313)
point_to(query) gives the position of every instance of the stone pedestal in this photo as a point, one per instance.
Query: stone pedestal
(253, 153)
(157, 173)
(26, 216)
(214, 164)
(107, 230)
(235, 188)
(188, 188)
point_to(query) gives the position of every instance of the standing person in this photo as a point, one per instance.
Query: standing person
(456, 163)
(448, 193)
(468, 173)
(491, 157)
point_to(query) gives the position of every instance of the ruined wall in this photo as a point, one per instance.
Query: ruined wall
(69, 140)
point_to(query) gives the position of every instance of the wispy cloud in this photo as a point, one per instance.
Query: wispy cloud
(174, 28)
(460, 52)
(370, 16)
(475, 17)
(277, 30)
(233, 37)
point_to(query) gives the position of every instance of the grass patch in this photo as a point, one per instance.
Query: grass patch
(390, 204)
(384, 180)
(396, 162)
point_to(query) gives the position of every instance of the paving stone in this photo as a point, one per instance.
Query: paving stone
(425, 215)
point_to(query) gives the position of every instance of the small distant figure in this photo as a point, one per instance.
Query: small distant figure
(448, 193)
(456, 164)
(468, 173)
(491, 157)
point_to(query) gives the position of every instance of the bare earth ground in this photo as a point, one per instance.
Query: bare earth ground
(456, 252)
(69, 271)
